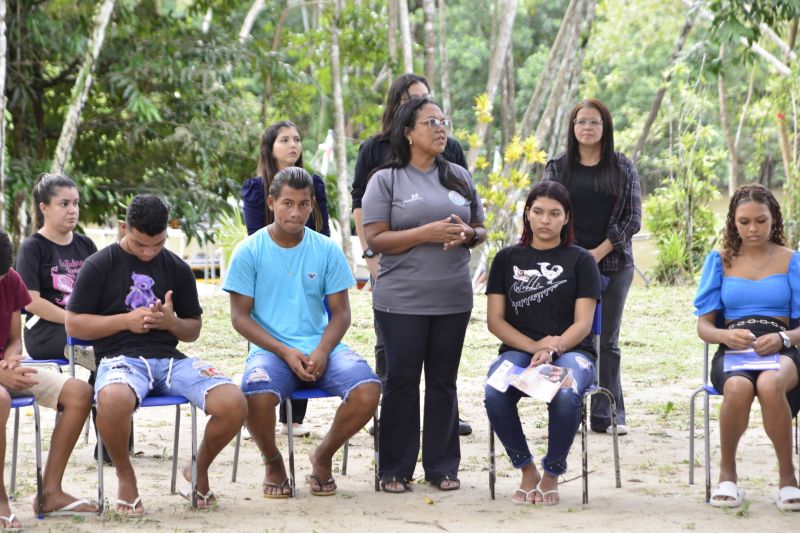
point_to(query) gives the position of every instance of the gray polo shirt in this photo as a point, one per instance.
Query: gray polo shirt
(425, 280)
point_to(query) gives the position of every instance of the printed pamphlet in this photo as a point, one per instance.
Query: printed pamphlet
(750, 360)
(540, 382)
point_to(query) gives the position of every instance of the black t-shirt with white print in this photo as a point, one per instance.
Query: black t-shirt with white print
(114, 282)
(541, 287)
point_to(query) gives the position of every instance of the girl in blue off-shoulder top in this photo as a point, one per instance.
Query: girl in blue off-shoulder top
(748, 295)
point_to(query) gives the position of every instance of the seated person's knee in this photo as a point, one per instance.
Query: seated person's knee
(737, 387)
(365, 395)
(76, 393)
(5, 400)
(116, 396)
(226, 401)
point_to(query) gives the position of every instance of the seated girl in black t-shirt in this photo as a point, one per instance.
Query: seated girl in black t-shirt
(48, 262)
(542, 294)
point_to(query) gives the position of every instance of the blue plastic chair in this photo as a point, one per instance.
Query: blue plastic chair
(593, 389)
(309, 394)
(17, 404)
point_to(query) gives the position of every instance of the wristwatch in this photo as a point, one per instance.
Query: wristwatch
(368, 254)
(787, 342)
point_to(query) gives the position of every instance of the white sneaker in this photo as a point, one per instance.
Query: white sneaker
(298, 430)
(622, 429)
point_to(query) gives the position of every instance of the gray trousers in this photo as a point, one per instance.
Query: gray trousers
(610, 377)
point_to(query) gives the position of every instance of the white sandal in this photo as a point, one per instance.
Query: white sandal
(783, 496)
(131, 505)
(727, 489)
(543, 494)
(527, 494)
(7, 521)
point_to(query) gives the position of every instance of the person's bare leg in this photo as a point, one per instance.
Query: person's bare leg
(352, 415)
(226, 406)
(771, 389)
(734, 415)
(261, 425)
(5, 507)
(115, 405)
(74, 402)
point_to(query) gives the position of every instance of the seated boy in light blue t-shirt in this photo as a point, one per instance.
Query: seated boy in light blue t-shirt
(277, 280)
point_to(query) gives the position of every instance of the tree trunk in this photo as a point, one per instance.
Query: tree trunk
(3, 45)
(496, 62)
(659, 97)
(727, 131)
(543, 84)
(342, 179)
(80, 91)
(250, 19)
(405, 33)
(444, 66)
(429, 9)
(508, 100)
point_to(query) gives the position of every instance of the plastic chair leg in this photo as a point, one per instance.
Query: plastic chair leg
(376, 450)
(194, 455)
(584, 451)
(344, 459)
(175, 448)
(100, 495)
(39, 481)
(235, 467)
(14, 455)
(692, 402)
(290, 433)
(707, 445)
(492, 466)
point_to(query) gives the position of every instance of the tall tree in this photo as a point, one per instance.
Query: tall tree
(3, 47)
(499, 49)
(444, 66)
(405, 33)
(80, 91)
(342, 179)
(429, 11)
(250, 19)
(725, 125)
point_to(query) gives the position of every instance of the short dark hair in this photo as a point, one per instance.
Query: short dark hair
(147, 213)
(294, 177)
(45, 188)
(6, 253)
(557, 192)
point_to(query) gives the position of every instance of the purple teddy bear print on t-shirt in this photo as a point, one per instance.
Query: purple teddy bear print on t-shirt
(141, 294)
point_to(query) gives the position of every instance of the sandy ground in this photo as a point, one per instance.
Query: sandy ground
(655, 494)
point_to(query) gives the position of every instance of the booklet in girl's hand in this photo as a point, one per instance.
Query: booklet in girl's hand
(540, 382)
(750, 360)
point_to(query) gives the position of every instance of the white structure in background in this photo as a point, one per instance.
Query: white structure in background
(324, 156)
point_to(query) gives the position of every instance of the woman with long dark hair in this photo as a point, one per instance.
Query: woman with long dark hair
(542, 294)
(749, 294)
(604, 188)
(421, 214)
(373, 153)
(281, 148)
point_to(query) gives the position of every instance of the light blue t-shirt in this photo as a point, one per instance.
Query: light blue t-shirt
(288, 285)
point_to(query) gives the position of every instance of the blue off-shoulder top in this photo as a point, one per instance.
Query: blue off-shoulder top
(776, 295)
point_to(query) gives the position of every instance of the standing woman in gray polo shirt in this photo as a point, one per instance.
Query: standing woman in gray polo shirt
(421, 214)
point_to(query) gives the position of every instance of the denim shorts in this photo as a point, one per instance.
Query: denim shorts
(190, 377)
(265, 372)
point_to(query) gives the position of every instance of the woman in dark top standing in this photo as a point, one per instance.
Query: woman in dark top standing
(373, 153)
(281, 148)
(606, 196)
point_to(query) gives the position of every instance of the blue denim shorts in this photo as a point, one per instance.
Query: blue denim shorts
(190, 377)
(266, 372)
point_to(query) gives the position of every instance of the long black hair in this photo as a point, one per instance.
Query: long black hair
(400, 149)
(559, 193)
(398, 92)
(610, 178)
(268, 168)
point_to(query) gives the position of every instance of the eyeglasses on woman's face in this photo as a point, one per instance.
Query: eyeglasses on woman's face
(436, 123)
(588, 123)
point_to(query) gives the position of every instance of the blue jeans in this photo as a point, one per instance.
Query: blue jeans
(564, 412)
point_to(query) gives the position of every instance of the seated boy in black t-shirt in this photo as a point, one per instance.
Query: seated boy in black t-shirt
(136, 300)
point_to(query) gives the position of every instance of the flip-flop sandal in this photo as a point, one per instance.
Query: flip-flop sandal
(131, 505)
(8, 520)
(543, 494)
(783, 496)
(69, 509)
(527, 494)
(441, 486)
(727, 489)
(280, 495)
(405, 486)
(311, 479)
(209, 498)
